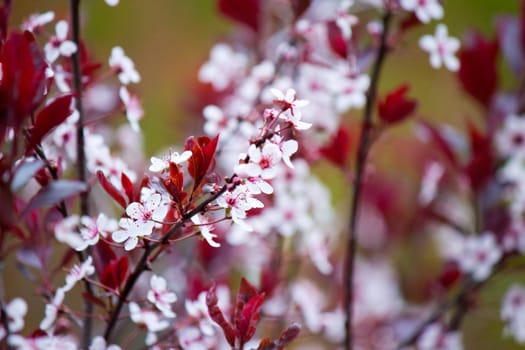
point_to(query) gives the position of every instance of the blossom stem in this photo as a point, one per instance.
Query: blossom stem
(81, 155)
(362, 152)
(145, 260)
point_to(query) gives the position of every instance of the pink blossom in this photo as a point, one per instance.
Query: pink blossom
(150, 319)
(441, 48)
(15, 311)
(134, 111)
(38, 20)
(435, 337)
(425, 10)
(239, 201)
(58, 44)
(92, 230)
(205, 229)
(224, 67)
(480, 254)
(513, 312)
(124, 66)
(351, 92)
(160, 296)
(163, 164)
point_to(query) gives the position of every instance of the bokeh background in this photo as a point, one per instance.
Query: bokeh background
(169, 39)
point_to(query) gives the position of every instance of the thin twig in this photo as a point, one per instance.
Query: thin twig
(362, 152)
(144, 261)
(81, 155)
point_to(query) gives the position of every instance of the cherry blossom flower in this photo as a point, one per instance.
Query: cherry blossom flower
(58, 44)
(92, 230)
(146, 213)
(351, 92)
(150, 319)
(262, 161)
(15, 311)
(134, 111)
(160, 296)
(480, 253)
(99, 343)
(435, 337)
(162, 164)
(239, 201)
(38, 20)
(79, 272)
(224, 67)
(205, 229)
(510, 139)
(43, 342)
(425, 10)
(429, 184)
(129, 234)
(441, 48)
(287, 101)
(513, 312)
(124, 66)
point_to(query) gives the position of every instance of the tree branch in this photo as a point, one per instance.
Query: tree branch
(362, 152)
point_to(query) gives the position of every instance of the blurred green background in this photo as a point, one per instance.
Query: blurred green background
(169, 39)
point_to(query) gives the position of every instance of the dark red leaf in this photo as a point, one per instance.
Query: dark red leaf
(102, 255)
(395, 107)
(203, 157)
(55, 192)
(23, 84)
(481, 165)
(246, 12)
(337, 41)
(299, 6)
(127, 185)
(450, 274)
(267, 344)
(48, 118)
(25, 172)
(250, 315)
(289, 334)
(409, 22)
(338, 149)
(111, 190)
(115, 273)
(216, 315)
(247, 307)
(479, 55)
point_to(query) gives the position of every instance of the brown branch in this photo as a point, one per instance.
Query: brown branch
(144, 261)
(362, 152)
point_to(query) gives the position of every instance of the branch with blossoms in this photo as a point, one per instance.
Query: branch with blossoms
(248, 206)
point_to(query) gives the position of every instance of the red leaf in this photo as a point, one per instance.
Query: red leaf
(55, 192)
(288, 335)
(246, 12)
(102, 254)
(336, 39)
(111, 190)
(479, 55)
(203, 157)
(115, 273)
(450, 274)
(127, 185)
(396, 107)
(216, 315)
(338, 149)
(409, 22)
(481, 166)
(299, 7)
(23, 84)
(247, 307)
(48, 118)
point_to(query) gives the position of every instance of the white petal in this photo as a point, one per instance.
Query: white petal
(61, 29)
